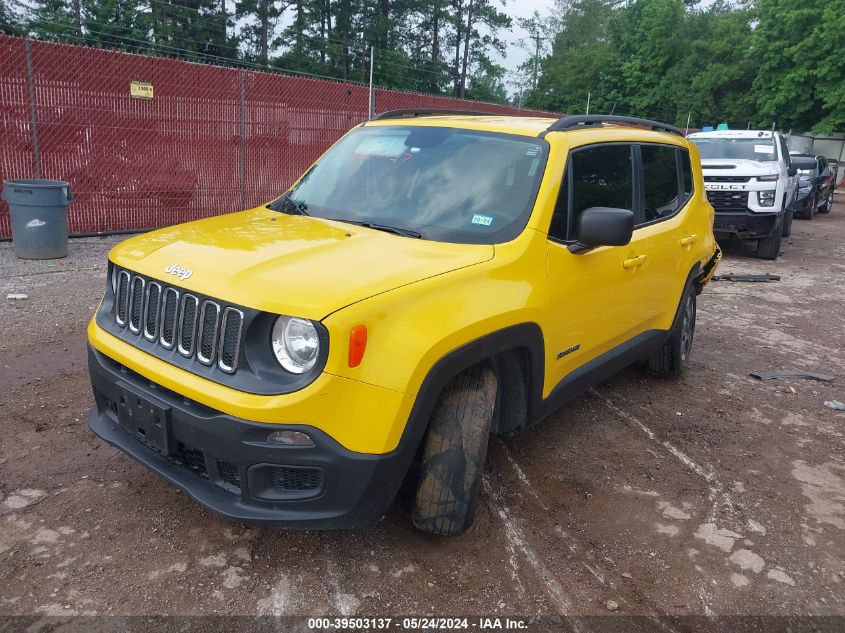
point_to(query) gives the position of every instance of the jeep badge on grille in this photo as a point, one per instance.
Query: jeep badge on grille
(176, 269)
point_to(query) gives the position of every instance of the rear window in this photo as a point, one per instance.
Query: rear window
(660, 181)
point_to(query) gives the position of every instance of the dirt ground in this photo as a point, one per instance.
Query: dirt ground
(714, 494)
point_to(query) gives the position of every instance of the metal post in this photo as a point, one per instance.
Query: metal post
(686, 129)
(589, 94)
(33, 126)
(242, 148)
(372, 111)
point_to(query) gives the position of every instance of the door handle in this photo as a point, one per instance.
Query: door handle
(689, 239)
(633, 262)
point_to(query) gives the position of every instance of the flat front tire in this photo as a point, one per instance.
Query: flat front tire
(669, 361)
(454, 453)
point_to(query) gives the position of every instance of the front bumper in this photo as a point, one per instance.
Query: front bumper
(745, 224)
(227, 465)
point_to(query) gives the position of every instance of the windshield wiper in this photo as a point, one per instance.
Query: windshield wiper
(396, 230)
(290, 206)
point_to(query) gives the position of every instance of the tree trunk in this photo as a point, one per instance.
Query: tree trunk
(435, 49)
(300, 23)
(264, 30)
(467, 36)
(224, 18)
(77, 15)
(456, 69)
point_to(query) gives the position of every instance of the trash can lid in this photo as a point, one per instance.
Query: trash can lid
(35, 183)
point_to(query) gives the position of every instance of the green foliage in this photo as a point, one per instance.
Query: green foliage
(115, 23)
(52, 20)
(800, 83)
(748, 63)
(9, 22)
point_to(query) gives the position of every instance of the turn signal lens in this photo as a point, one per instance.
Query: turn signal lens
(357, 344)
(289, 438)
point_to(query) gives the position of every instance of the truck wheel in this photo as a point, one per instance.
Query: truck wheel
(454, 453)
(769, 247)
(669, 361)
(787, 222)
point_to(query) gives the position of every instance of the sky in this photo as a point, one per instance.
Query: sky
(519, 9)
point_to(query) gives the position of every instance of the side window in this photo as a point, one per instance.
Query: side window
(560, 218)
(602, 176)
(660, 182)
(686, 174)
(784, 150)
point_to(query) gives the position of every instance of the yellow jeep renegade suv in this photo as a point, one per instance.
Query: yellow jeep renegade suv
(430, 280)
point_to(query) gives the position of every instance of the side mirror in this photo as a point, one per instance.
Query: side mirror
(803, 163)
(603, 226)
(792, 170)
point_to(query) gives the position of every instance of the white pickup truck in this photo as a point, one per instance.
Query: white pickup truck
(751, 183)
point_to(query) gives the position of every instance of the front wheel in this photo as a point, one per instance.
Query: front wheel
(787, 222)
(454, 453)
(671, 359)
(769, 247)
(813, 205)
(828, 203)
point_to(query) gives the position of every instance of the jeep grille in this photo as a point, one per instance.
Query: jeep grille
(202, 330)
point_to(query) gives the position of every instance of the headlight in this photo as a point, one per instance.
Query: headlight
(772, 178)
(767, 198)
(114, 279)
(295, 344)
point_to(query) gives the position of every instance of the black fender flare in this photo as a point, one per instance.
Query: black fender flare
(524, 335)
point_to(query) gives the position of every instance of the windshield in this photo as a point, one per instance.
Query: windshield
(443, 184)
(759, 149)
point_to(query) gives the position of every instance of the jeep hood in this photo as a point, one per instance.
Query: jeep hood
(738, 167)
(286, 264)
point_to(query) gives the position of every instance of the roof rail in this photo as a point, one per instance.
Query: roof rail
(587, 120)
(413, 113)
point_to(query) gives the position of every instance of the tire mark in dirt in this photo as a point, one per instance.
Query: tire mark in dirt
(574, 546)
(517, 539)
(718, 495)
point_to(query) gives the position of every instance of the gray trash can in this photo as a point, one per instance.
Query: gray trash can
(38, 210)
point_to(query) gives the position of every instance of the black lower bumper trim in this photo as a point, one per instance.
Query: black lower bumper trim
(227, 465)
(745, 224)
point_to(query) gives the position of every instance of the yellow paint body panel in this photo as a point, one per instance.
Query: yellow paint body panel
(419, 300)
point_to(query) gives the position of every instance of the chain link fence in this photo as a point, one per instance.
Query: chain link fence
(194, 140)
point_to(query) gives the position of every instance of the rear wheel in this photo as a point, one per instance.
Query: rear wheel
(454, 453)
(669, 361)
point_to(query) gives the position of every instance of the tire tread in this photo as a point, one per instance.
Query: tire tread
(454, 453)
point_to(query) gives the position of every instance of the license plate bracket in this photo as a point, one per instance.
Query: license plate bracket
(145, 418)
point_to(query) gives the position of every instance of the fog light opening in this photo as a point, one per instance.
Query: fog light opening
(289, 438)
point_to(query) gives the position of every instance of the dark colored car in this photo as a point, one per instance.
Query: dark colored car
(815, 188)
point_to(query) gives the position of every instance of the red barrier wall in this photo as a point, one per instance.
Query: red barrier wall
(211, 140)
